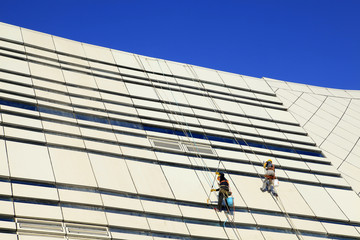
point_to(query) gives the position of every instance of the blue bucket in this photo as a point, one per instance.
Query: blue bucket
(230, 201)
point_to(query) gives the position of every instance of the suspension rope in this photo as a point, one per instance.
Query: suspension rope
(187, 133)
(205, 167)
(231, 220)
(292, 225)
(288, 218)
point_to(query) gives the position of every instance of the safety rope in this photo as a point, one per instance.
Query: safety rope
(191, 138)
(292, 225)
(199, 155)
(186, 134)
(231, 220)
(204, 165)
(288, 218)
(297, 232)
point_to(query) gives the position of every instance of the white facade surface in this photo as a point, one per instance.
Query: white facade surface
(97, 143)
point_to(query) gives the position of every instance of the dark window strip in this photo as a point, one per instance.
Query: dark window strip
(183, 105)
(147, 127)
(147, 83)
(120, 66)
(156, 199)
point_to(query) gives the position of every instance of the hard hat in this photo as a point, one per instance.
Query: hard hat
(268, 161)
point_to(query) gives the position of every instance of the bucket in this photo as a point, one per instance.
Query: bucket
(276, 182)
(230, 201)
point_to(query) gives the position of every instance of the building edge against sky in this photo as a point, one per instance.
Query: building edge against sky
(97, 143)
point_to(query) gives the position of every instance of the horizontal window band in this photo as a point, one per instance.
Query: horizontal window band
(9, 231)
(229, 140)
(200, 221)
(173, 121)
(115, 65)
(149, 198)
(148, 127)
(188, 89)
(141, 135)
(173, 218)
(187, 166)
(195, 148)
(146, 108)
(70, 115)
(7, 219)
(178, 104)
(165, 163)
(33, 183)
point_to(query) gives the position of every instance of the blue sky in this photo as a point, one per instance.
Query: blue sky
(314, 42)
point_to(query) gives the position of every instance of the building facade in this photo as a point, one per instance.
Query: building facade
(97, 143)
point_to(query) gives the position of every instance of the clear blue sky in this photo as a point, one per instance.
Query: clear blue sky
(307, 41)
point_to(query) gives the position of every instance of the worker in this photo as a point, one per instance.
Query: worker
(224, 191)
(268, 184)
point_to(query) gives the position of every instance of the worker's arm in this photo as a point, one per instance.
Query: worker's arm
(213, 190)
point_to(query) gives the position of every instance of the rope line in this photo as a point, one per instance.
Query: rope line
(288, 218)
(231, 220)
(203, 165)
(297, 232)
(187, 133)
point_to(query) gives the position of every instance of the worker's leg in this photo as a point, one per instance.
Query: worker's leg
(220, 200)
(272, 188)
(273, 191)
(226, 204)
(265, 185)
(225, 196)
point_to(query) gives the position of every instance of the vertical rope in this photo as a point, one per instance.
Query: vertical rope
(297, 232)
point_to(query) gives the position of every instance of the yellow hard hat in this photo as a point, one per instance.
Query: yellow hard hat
(217, 173)
(265, 163)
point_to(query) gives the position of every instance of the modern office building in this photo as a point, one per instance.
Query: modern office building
(96, 143)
